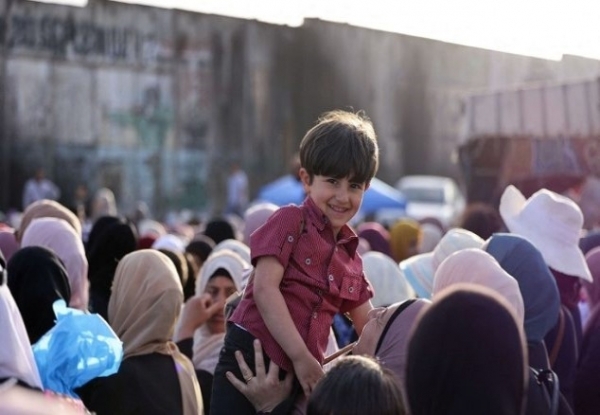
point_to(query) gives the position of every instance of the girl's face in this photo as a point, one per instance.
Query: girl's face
(219, 287)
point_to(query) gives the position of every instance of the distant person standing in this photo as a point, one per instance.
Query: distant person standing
(237, 190)
(38, 188)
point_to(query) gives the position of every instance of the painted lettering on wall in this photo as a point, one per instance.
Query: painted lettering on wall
(66, 37)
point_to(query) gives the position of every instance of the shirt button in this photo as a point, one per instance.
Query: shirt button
(307, 261)
(330, 277)
(290, 238)
(315, 315)
(319, 292)
(351, 289)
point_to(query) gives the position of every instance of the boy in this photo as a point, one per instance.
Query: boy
(306, 265)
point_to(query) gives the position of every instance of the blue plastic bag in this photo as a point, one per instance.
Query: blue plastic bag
(79, 348)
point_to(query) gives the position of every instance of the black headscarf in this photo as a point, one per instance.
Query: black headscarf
(467, 356)
(219, 230)
(36, 279)
(111, 239)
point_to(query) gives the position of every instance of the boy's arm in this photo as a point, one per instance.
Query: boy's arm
(358, 316)
(276, 315)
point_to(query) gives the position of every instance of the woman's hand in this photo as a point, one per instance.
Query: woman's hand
(264, 390)
(196, 311)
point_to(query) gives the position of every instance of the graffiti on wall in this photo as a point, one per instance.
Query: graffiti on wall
(66, 37)
(150, 118)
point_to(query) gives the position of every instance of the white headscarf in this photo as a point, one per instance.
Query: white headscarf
(236, 246)
(206, 344)
(16, 356)
(387, 280)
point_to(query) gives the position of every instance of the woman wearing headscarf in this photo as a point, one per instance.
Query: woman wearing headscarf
(587, 378)
(111, 238)
(376, 235)
(200, 248)
(37, 278)
(517, 256)
(387, 280)
(220, 277)
(97, 229)
(103, 204)
(458, 364)
(431, 236)
(16, 356)
(475, 266)
(47, 209)
(389, 286)
(20, 383)
(255, 216)
(385, 336)
(154, 377)
(219, 229)
(56, 235)
(8, 243)
(182, 266)
(405, 237)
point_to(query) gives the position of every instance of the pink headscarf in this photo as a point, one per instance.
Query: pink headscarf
(8, 244)
(255, 216)
(58, 236)
(478, 267)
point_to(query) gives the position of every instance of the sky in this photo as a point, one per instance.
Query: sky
(540, 28)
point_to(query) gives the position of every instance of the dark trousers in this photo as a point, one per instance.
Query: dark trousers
(225, 398)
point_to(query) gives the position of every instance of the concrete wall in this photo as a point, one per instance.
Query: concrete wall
(155, 103)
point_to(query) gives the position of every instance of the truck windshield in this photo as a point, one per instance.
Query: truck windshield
(424, 195)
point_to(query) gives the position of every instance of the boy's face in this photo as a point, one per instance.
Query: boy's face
(338, 199)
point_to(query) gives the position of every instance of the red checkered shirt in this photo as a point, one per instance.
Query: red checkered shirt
(322, 277)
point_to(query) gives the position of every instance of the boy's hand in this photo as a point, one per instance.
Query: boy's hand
(308, 371)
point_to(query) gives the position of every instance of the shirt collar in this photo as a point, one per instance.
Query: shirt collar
(346, 235)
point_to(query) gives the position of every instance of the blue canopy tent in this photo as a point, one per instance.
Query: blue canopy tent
(379, 195)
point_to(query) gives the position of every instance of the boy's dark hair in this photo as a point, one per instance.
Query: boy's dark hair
(357, 385)
(342, 144)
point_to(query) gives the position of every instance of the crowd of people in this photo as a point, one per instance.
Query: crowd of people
(290, 310)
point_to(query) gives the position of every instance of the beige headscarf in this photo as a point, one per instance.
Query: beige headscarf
(47, 209)
(206, 344)
(146, 301)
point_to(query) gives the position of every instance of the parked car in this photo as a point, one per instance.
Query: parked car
(432, 196)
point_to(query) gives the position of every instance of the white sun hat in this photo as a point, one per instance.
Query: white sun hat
(552, 223)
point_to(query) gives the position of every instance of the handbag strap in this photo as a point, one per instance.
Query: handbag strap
(559, 337)
(549, 380)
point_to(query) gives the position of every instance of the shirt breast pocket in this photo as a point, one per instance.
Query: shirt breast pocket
(351, 286)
